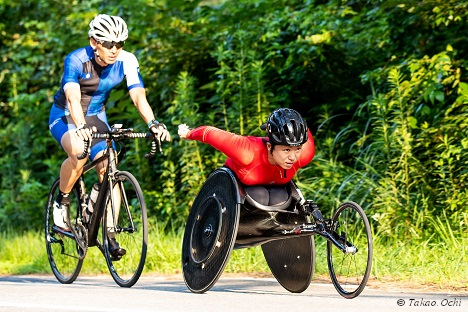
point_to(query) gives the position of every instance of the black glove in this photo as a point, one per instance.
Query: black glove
(84, 132)
(155, 127)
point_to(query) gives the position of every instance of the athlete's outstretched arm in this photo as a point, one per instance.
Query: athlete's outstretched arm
(234, 146)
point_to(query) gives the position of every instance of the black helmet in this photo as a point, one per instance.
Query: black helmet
(285, 126)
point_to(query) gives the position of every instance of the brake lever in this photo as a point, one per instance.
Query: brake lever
(155, 144)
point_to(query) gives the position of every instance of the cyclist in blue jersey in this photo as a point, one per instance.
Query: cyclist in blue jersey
(90, 74)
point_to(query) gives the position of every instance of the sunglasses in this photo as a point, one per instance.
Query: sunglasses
(110, 44)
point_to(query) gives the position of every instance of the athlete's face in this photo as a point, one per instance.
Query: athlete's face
(106, 52)
(283, 155)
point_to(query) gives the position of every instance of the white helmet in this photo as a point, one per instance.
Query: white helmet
(108, 28)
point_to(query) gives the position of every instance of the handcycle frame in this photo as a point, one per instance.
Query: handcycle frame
(223, 218)
(86, 234)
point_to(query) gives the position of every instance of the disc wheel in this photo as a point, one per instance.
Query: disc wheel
(291, 260)
(350, 270)
(64, 254)
(210, 232)
(129, 223)
(206, 230)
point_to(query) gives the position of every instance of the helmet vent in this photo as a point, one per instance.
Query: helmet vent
(286, 126)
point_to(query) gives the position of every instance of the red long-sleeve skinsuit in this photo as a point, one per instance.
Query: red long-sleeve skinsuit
(248, 155)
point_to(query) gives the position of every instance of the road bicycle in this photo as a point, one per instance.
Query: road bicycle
(118, 209)
(224, 217)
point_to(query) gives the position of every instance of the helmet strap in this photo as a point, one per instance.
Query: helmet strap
(96, 53)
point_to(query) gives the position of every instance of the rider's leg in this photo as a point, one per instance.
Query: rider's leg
(278, 194)
(70, 171)
(259, 194)
(268, 195)
(71, 168)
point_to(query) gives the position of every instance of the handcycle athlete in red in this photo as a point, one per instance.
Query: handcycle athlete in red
(90, 74)
(265, 165)
(264, 206)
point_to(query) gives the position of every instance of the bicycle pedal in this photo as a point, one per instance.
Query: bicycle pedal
(60, 230)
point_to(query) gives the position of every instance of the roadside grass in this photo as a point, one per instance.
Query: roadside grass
(441, 264)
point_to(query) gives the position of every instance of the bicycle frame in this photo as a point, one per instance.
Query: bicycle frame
(111, 169)
(93, 226)
(323, 228)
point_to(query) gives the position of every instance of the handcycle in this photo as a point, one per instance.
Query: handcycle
(120, 200)
(225, 217)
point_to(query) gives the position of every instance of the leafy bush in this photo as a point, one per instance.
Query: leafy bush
(383, 88)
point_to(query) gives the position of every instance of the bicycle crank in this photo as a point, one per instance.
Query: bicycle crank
(81, 238)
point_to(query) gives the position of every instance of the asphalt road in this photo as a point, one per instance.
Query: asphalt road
(44, 293)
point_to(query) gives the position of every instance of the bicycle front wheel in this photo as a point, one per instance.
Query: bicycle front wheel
(126, 220)
(64, 254)
(350, 269)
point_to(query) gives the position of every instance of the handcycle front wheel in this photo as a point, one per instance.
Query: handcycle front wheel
(349, 270)
(130, 227)
(64, 255)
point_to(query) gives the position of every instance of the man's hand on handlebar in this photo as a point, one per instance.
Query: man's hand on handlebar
(84, 132)
(160, 131)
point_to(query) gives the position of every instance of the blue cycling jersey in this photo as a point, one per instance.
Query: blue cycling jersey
(96, 82)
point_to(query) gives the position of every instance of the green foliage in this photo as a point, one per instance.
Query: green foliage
(381, 83)
(406, 164)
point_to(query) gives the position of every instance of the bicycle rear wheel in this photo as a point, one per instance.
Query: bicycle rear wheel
(349, 271)
(130, 225)
(64, 254)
